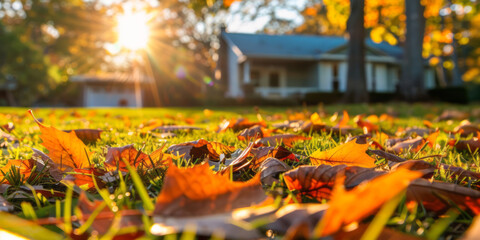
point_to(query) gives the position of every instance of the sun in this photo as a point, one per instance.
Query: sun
(133, 30)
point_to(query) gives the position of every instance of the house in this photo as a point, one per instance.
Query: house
(283, 66)
(112, 89)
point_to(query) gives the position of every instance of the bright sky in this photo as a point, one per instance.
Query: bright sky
(237, 24)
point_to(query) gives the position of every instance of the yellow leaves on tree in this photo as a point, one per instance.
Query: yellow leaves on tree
(198, 191)
(346, 207)
(65, 149)
(350, 153)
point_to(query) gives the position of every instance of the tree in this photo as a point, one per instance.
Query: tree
(356, 82)
(412, 83)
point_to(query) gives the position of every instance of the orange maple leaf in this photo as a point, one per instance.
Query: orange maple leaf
(346, 207)
(65, 149)
(350, 153)
(198, 191)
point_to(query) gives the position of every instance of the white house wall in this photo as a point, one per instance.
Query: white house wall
(97, 96)
(429, 77)
(234, 88)
(325, 76)
(342, 68)
(392, 78)
(369, 75)
(381, 78)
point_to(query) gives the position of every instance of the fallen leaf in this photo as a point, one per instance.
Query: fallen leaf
(451, 114)
(280, 153)
(175, 128)
(198, 191)
(366, 126)
(43, 160)
(23, 167)
(240, 162)
(88, 136)
(350, 153)
(466, 129)
(83, 178)
(472, 144)
(344, 206)
(459, 172)
(439, 196)
(388, 156)
(270, 169)
(105, 218)
(317, 181)
(117, 155)
(254, 132)
(65, 149)
(412, 145)
(237, 125)
(344, 122)
(286, 139)
(200, 149)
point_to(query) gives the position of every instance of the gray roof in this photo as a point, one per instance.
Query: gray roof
(297, 46)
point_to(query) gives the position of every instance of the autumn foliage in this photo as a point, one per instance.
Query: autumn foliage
(307, 177)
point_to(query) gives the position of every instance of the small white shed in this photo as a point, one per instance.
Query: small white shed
(112, 90)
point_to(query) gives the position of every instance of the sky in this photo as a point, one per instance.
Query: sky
(235, 23)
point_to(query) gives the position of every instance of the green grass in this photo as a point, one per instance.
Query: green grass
(138, 190)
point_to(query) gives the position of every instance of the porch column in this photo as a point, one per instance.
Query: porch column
(246, 72)
(234, 87)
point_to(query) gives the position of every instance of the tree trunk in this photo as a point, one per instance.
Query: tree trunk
(412, 84)
(356, 82)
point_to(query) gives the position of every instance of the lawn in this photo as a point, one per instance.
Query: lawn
(162, 187)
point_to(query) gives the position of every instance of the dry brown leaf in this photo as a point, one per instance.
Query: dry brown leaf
(87, 136)
(239, 162)
(472, 144)
(117, 155)
(270, 169)
(466, 129)
(65, 149)
(237, 125)
(317, 181)
(198, 191)
(350, 153)
(344, 206)
(175, 128)
(459, 172)
(254, 132)
(280, 153)
(200, 149)
(388, 156)
(439, 196)
(414, 145)
(287, 139)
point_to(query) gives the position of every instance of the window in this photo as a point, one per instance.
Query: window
(255, 78)
(274, 80)
(335, 77)
(374, 78)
